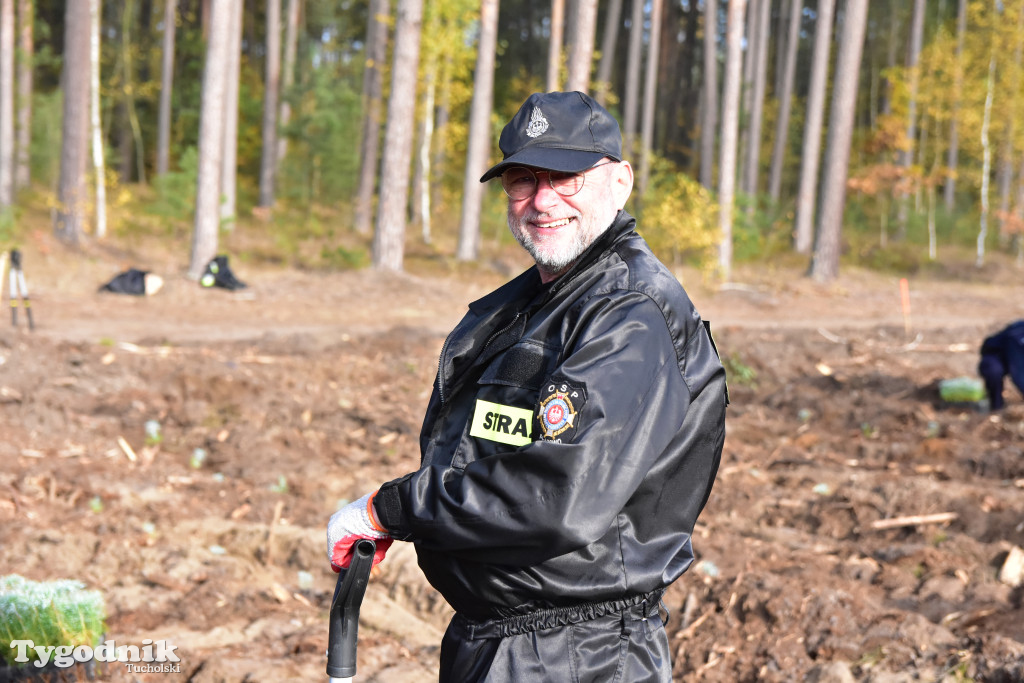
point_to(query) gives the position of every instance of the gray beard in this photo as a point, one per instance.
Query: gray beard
(558, 260)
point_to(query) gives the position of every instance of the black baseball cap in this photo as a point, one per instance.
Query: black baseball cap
(558, 131)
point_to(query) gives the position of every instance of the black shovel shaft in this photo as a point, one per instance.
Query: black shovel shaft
(348, 594)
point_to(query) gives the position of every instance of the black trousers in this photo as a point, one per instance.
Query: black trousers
(614, 642)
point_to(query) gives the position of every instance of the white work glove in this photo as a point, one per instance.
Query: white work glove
(351, 523)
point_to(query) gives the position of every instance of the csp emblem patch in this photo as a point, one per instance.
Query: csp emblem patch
(558, 413)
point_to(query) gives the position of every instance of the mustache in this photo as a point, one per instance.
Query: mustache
(540, 216)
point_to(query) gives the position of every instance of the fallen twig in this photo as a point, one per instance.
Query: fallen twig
(831, 337)
(126, 447)
(268, 555)
(913, 520)
(692, 628)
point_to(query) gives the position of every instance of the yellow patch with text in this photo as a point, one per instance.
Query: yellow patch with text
(501, 423)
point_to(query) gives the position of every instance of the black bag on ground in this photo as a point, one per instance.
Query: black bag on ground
(218, 274)
(131, 281)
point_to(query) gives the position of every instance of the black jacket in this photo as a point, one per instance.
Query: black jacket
(571, 440)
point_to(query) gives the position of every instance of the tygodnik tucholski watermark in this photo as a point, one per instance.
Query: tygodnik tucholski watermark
(152, 657)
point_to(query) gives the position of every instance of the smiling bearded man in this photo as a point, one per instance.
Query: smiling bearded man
(572, 436)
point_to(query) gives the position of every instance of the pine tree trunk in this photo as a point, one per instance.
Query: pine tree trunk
(752, 165)
(555, 45)
(814, 117)
(612, 27)
(229, 158)
(211, 138)
(26, 48)
(132, 139)
(99, 167)
(581, 56)
(163, 144)
(6, 103)
(746, 90)
(907, 155)
(389, 237)
(631, 101)
(785, 101)
(825, 266)
(271, 90)
(1006, 153)
(650, 86)
(730, 125)
(709, 112)
(291, 30)
(373, 94)
(72, 192)
(479, 143)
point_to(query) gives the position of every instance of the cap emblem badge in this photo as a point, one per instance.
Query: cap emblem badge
(538, 124)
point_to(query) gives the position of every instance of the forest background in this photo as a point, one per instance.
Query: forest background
(885, 134)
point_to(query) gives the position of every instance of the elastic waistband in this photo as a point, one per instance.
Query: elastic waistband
(637, 606)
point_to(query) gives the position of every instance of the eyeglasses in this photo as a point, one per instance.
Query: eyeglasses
(520, 182)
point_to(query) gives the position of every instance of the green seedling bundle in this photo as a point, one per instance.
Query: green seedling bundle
(962, 390)
(51, 613)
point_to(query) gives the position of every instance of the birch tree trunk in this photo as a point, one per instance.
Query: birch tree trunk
(785, 101)
(479, 133)
(389, 237)
(986, 164)
(730, 125)
(949, 189)
(807, 195)
(825, 266)
(99, 167)
(581, 56)
(555, 44)
(24, 60)
(211, 138)
(229, 159)
(440, 151)
(612, 27)
(163, 141)
(650, 87)
(631, 102)
(291, 30)
(421, 184)
(373, 94)
(271, 90)
(419, 197)
(709, 113)
(6, 103)
(72, 192)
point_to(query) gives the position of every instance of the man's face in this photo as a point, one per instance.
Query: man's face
(556, 229)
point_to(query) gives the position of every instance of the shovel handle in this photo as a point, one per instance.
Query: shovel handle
(344, 621)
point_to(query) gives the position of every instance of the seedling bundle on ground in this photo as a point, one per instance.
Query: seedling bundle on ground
(50, 613)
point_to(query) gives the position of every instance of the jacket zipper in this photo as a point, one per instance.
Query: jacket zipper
(444, 349)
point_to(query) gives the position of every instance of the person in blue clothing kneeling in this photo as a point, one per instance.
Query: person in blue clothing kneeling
(1002, 354)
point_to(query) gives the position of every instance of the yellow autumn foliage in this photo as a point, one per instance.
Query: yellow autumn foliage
(679, 217)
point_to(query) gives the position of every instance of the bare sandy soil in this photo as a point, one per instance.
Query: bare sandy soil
(307, 389)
